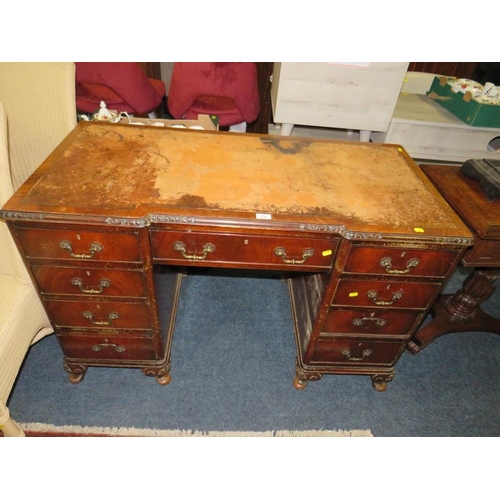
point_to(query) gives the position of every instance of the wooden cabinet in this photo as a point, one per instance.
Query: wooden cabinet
(364, 239)
(375, 301)
(96, 288)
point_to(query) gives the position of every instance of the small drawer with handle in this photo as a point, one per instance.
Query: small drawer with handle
(79, 246)
(351, 352)
(398, 262)
(111, 347)
(108, 315)
(393, 294)
(373, 322)
(89, 282)
(235, 250)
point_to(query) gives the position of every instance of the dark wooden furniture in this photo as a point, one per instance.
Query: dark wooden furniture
(458, 69)
(461, 312)
(366, 240)
(151, 69)
(264, 74)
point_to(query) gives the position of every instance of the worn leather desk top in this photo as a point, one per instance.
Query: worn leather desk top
(131, 171)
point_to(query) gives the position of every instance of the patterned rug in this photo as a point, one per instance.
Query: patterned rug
(47, 430)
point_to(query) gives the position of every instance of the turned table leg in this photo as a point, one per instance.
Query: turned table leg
(461, 312)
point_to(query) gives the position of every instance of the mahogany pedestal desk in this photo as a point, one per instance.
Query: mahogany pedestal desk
(364, 238)
(461, 312)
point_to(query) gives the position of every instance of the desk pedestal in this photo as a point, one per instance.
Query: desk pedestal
(461, 312)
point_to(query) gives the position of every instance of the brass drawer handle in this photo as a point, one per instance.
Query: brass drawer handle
(387, 263)
(372, 294)
(360, 321)
(207, 248)
(364, 354)
(104, 283)
(281, 252)
(94, 247)
(117, 348)
(111, 316)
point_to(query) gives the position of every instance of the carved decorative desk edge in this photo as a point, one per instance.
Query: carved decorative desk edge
(185, 219)
(21, 215)
(326, 228)
(114, 221)
(458, 241)
(179, 219)
(352, 235)
(152, 218)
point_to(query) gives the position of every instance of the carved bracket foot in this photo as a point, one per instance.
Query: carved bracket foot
(301, 378)
(299, 383)
(379, 381)
(76, 372)
(161, 373)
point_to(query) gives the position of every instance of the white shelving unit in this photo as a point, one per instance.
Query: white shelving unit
(352, 96)
(428, 131)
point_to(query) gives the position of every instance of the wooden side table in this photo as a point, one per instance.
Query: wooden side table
(462, 312)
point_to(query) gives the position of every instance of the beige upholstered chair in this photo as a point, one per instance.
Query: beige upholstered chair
(39, 102)
(22, 317)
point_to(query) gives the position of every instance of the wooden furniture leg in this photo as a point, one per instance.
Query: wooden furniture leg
(76, 372)
(461, 312)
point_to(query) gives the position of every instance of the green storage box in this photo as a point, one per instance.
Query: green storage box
(464, 106)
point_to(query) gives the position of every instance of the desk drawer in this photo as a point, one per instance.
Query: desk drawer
(399, 261)
(393, 294)
(79, 245)
(98, 314)
(354, 353)
(89, 282)
(112, 347)
(264, 251)
(368, 322)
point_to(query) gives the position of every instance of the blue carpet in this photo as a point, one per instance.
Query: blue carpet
(233, 362)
